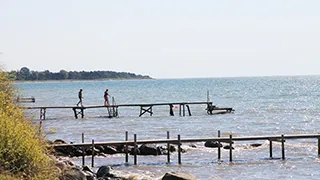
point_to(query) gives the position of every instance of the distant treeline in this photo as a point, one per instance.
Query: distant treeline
(26, 74)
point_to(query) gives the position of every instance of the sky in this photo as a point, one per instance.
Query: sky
(164, 38)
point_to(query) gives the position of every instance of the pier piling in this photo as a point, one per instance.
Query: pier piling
(126, 148)
(168, 148)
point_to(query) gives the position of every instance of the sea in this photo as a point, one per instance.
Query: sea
(263, 106)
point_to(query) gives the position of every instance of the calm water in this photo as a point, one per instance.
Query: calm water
(263, 106)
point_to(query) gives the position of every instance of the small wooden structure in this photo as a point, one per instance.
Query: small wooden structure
(230, 140)
(144, 108)
(26, 99)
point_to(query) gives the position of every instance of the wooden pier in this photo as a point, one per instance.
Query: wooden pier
(230, 140)
(26, 99)
(145, 108)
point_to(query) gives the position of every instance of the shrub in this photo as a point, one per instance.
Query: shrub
(23, 153)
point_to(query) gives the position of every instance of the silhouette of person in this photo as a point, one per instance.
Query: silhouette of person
(106, 98)
(80, 98)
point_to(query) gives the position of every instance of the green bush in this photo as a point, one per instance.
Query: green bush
(23, 153)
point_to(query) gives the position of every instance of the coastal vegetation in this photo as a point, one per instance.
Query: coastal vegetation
(24, 153)
(25, 74)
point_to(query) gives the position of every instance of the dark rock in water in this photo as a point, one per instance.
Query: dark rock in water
(172, 148)
(131, 151)
(193, 145)
(87, 168)
(110, 150)
(227, 147)
(106, 172)
(255, 145)
(149, 149)
(212, 144)
(178, 176)
(103, 171)
(73, 174)
(59, 141)
(89, 151)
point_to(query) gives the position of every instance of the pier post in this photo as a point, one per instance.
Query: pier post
(171, 110)
(126, 148)
(219, 148)
(270, 148)
(82, 112)
(92, 160)
(179, 150)
(282, 145)
(184, 110)
(230, 152)
(180, 106)
(135, 150)
(83, 150)
(318, 146)
(75, 113)
(188, 110)
(43, 113)
(168, 147)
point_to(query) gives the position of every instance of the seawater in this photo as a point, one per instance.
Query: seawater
(263, 106)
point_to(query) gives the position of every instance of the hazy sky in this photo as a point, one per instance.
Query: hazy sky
(164, 38)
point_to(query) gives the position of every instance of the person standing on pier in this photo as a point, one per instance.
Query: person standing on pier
(106, 98)
(80, 98)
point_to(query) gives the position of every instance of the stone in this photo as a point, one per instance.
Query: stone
(212, 144)
(227, 147)
(73, 174)
(103, 171)
(178, 176)
(149, 149)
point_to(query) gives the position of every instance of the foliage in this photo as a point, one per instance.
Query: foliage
(23, 154)
(26, 74)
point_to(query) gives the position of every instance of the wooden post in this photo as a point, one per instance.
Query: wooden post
(230, 153)
(75, 113)
(135, 149)
(126, 147)
(83, 151)
(184, 110)
(188, 110)
(180, 109)
(168, 148)
(318, 146)
(82, 112)
(92, 160)
(40, 127)
(282, 145)
(179, 149)
(171, 110)
(270, 148)
(219, 148)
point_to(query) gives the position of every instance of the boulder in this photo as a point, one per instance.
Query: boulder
(73, 174)
(59, 141)
(103, 172)
(178, 176)
(212, 144)
(149, 149)
(110, 150)
(255, 145)
(227, 147)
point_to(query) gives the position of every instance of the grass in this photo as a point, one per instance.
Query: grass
(23, 152)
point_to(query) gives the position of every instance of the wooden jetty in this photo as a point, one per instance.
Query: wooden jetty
(26, 99)
(144, 108)
(230, 140)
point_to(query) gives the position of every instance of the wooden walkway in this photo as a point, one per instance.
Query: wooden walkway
(144, 108)
(230, 140)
